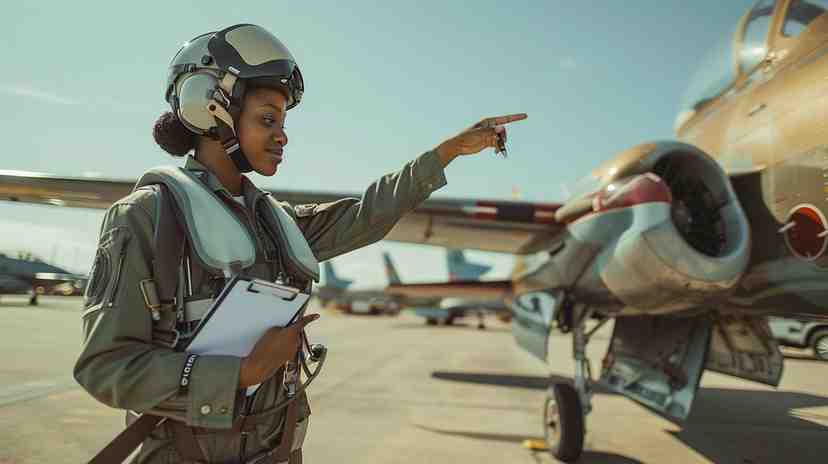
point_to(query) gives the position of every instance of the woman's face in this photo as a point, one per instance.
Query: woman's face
(261, 129)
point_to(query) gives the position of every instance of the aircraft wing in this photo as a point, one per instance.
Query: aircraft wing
(488, 225)
(474, 289)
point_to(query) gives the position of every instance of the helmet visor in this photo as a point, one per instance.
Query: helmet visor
(252, 52)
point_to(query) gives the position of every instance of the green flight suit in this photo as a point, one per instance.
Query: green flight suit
(124, 366)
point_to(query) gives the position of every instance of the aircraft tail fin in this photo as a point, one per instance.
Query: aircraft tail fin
(461, 269)
(330, 278)
(390, 269)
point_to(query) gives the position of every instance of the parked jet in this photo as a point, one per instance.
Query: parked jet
(32, 276)
(331, 285)
(438, 310)
(695, 242)
(335, 290)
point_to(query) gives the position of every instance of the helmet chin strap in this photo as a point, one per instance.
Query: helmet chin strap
(240, 160)
(226, 113)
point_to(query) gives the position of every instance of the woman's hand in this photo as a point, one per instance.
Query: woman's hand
(276, 347)
(482, 135)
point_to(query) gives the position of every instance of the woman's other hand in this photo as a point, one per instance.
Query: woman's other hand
(276, 347)
(482, 135)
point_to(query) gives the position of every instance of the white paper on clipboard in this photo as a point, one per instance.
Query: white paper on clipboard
(243, 313)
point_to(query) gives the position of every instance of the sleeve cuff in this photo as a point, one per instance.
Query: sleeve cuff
(430, 173)
(213, 385)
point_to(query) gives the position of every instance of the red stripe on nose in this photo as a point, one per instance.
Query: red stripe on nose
(647, 188)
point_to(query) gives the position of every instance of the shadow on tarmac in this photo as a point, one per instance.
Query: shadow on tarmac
(591, 457)
(725, 424)
(803, 357)
(530, 382)
(454, 326)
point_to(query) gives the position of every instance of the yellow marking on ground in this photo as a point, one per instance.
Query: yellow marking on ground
(534, 444)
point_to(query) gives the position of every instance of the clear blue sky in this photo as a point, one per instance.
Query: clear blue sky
(385, 81)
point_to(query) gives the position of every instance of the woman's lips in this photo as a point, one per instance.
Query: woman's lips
(277, 155)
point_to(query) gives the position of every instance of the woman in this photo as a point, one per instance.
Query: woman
(229, 92)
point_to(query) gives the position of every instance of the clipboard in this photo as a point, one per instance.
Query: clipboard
(242, 313)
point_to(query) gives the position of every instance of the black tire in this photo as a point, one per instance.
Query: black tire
(449, 320)
(563, 422)
(819, 343)
(431, 321)
(33, 300)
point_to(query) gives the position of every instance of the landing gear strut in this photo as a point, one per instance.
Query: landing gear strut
(566, 406)
(33, 300)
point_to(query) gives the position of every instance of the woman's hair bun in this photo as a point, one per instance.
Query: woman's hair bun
(171, 135)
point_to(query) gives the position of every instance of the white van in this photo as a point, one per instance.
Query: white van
(802, 334)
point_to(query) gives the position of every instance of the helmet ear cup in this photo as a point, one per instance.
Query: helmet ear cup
(193, 93)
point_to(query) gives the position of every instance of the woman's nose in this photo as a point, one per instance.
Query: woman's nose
(281, 136)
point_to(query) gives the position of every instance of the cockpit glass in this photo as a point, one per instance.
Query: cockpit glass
(800, 14)
(716, 70)
(713, 74)
(754, 41)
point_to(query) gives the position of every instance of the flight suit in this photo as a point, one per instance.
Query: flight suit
(128, 363)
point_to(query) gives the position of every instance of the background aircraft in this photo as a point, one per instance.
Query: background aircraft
(335, 290)
(441, 310)
(34, 276)
(693, 243)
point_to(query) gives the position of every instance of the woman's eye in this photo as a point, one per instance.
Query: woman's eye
(269, 121)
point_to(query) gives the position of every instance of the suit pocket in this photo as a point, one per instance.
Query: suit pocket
(107, 269)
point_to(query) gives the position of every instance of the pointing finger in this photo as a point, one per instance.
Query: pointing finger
(499, 120)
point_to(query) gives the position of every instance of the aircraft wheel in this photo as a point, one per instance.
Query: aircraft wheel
(431, 321)
(33, 300)
(563, 422)
(449, 320)
(819, 342)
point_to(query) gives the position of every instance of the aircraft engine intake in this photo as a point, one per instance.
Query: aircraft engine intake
(674, 234)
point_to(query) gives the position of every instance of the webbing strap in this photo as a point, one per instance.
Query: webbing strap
(186, 444)
(125, 443)
(283, 451)
(168, 248)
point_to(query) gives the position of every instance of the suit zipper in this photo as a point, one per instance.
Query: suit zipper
(118, 271)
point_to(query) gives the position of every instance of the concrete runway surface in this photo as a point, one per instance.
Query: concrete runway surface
(397, 391)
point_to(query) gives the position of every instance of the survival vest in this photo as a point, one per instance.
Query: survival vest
(189, 212)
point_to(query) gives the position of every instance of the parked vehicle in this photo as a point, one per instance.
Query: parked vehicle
(802, 334)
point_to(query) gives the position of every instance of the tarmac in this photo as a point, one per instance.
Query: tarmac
(397, 391)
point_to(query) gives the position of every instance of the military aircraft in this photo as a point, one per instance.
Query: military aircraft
(436, 309)
(689, 245)
(33, 276)
(335, 290)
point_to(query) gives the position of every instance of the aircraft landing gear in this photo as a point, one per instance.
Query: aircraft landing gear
(566, 406)
(33, 300)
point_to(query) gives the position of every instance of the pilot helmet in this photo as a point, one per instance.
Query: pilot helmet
(208, 76)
